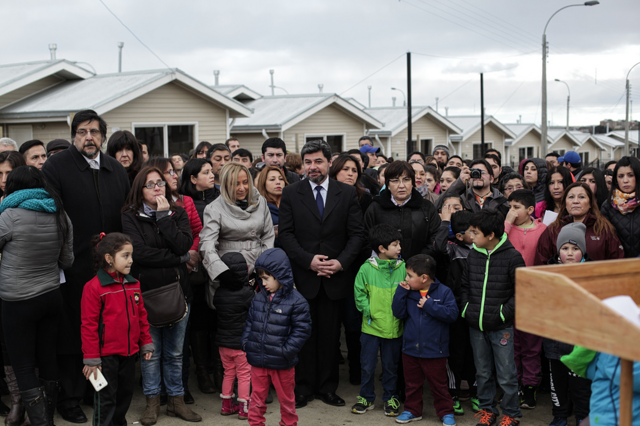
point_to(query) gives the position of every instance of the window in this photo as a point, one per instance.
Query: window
(426, 145)
(526, 152)
(165, 139)
(334, 141)
(584, 156)
(411, 146)
(477, 151)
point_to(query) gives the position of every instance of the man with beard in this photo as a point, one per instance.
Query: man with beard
(93, 188)
(441, 154)
(322, 232)
(274, 152)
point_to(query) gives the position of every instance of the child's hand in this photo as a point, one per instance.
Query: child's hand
(405, 285)
(422, 301)
(447, 211)
(88, 370)
(511, 217)
(147, 356)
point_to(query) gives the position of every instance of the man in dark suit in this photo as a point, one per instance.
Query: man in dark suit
(322, 232)
(93, 188)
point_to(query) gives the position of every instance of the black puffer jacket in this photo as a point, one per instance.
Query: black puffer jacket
(418, 221)
(627, 227)
(202, 199)
(489, 286)
(541, 165)
(232, 301)
(161, 248)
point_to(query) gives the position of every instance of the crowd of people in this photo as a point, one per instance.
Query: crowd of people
(249, 268)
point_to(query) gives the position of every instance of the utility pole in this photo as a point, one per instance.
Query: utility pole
(120, 46)
(437, 99)
(369, 89)
(482, 114)
(409, 97)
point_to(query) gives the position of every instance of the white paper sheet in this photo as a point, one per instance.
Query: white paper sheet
(549, 217)
(625, 306)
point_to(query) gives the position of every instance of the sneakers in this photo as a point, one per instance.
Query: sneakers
(485, 418)
(475, 404)
(392, 407)
(509, 421)
(457, 407)
(407, 417)
(362, 406)
(559, 421)
(448, 420)
(528, 397)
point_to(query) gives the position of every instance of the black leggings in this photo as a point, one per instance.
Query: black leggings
(31, 334)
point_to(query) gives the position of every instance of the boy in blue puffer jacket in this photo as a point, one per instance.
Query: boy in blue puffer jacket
(428, 307)
(278, 325)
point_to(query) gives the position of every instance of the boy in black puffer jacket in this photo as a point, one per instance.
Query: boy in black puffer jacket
(488, 304)
(232, 301)
(278, 325)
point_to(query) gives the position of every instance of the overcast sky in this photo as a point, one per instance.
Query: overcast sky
(340, 42)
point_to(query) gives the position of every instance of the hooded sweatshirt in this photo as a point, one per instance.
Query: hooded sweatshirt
(525, 240)
(541, 165)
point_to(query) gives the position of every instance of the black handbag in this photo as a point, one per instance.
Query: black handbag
(165, 305)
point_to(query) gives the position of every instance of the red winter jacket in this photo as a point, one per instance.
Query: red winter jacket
(114, 321)
(194, 219)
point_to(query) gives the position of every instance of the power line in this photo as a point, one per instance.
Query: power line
(133, 34)
(455, 90)
(472, 59)
(370, 75)
(511, 96)
(460, 25)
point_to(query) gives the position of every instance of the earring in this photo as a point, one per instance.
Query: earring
(111, 264)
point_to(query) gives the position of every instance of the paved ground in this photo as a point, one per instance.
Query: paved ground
(208, 406)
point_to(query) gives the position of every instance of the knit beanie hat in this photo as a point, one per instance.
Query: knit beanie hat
(442, 147)
(573, 233)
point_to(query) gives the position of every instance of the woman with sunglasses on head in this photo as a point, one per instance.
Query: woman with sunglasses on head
(162, 237)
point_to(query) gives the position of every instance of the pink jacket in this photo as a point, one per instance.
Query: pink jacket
(525, 240)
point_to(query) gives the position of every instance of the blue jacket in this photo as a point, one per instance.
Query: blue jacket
(276, 329)
(426, 329)
(604, 371)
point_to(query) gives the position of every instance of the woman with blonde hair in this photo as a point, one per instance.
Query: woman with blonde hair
(270, 182)
(237, 221)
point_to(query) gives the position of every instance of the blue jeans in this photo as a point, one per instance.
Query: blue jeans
(495, 348)
(390, 350)
(168, 342)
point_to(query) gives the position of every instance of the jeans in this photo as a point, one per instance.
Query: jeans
(389, 357)
(495, 349)
(168, 342)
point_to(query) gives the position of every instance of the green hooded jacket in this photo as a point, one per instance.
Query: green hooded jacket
(375, 286)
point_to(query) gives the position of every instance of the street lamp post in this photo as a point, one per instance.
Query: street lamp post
(568, 100)
(543, 127)
(404, 103)
(626, 121)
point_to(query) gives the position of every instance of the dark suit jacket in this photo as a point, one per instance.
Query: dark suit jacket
(338, 235)
(70, 176)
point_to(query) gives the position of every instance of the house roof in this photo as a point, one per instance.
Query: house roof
(584, 138)
(395, 119)
(237, 91)
(15, 76)
(471, 124)
(609, 141)
(557, 134)
(619, 134)
(282, 112)
(106, 92)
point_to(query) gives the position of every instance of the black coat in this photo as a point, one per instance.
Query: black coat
(627, 227)
(91, 212)
(418, 221)
(158, 248)
(541, 165)
(232, 301)
(338, 235)
(202, 199)
(489, 286)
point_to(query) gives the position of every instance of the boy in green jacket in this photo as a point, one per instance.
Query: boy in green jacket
(375, 286)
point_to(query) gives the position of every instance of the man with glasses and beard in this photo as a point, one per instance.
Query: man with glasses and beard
(322, 232)
(93, 188)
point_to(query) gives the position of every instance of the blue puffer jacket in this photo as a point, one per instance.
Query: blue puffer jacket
(426, 329)
(276, 329)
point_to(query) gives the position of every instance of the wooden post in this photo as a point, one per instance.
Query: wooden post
(626, 392)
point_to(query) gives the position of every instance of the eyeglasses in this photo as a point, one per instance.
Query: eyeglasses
(513, 188)
(152, 185)
(171, 172)
(83, 132)
(406, 181)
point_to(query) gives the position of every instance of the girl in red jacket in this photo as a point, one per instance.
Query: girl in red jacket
(114, 326)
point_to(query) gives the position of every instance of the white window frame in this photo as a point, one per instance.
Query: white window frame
(584, 164)
(488, 143)
(165, 131)
(324, 138)
(535, 150)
